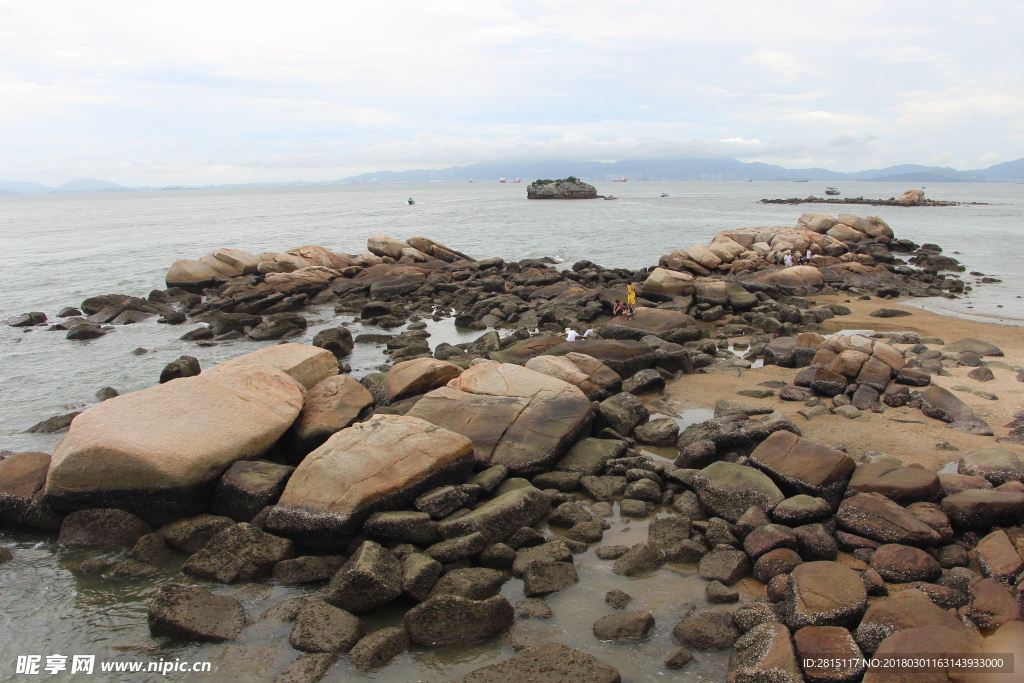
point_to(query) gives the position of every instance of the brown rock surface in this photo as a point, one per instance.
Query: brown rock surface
(307, 365)
(515, 417)
(800, 465)
(418, 376)
(380, 464)
(170, 441)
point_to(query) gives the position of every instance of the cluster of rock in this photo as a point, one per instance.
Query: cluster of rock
(859, 374)
(433, 500)
(848, 250)
(913, 197)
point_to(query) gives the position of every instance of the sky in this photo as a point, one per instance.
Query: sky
(151, 94)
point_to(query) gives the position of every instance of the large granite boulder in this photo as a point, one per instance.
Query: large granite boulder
(728, 490)
(330, 406)
(997, 465)
(656, 321)
(249, 486)
(563, 368)
(801, 466)
(307, 365)
(623, 356)
(192, 275)
(901, 484)
(942, 404)
(823, 594)
(418, 376)
(370, 578)
(500, 517)
(377, 465)
(515, 417)
(159, 452)
(975, 346)
(799, 278)
(874, 516)
(671, 282)
(983, 508)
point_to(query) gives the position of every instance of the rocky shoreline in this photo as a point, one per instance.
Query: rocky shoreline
(424, 484)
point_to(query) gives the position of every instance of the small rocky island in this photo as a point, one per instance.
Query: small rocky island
(565, 188)
(913, 197)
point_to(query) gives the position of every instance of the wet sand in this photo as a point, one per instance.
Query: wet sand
(903, 432)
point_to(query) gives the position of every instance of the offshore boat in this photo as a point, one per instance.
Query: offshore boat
(502, 179)
(411, 200)
(831, 191)
(517, 180)
(608, 196)
(620, 180)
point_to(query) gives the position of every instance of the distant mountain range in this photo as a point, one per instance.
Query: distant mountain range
(634, 169)
(77, 185)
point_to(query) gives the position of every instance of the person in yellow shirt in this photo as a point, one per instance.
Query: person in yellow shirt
(630, 294)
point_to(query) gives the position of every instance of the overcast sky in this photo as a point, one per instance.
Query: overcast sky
(146, 93)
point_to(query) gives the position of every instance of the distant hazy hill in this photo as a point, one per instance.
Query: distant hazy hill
(21, 187)
(685, 169)
(1008, 170)
(89, 185)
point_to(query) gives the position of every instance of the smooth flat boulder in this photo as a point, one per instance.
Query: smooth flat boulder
(307, 364)
(377, 465)
(901, 484)
(983, 508)
(623, 356)
(823, 594)
(547, 663)
(874, 516)
(975, 346)
(942, 404)
(801, 466)
(561, 367)
(330, 406)
(191, 275)
(515, 417)
(159, 452)
(654, 321)
(671, 282)
(928, 642)
(997, 465)
(418, 376)
(802, 278)
(728, 490)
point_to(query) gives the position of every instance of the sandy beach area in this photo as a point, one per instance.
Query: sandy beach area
(903, 432)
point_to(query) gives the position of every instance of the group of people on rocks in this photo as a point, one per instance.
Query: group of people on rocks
(788, 259)
(627, 309)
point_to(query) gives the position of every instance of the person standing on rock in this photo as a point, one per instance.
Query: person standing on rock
(775, 259)
(808, 258)
(789, 259)
(631, 294)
